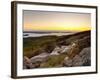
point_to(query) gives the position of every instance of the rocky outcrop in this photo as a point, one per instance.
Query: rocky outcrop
(82, 59)
(85, 54)
(55, 51)
(60, 50)
(68, 51)
(45, 59)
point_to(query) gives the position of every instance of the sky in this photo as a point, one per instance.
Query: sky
(55, 21)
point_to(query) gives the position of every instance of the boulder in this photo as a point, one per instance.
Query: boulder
(77, 61)
(67, 62)
(81, 59)
(55, 51)
(27, 63)
(39, 58)
(85, 54)
(74, 50)
(60, 50)
(65, 49)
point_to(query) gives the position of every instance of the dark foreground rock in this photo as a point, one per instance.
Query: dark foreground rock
(83, 59)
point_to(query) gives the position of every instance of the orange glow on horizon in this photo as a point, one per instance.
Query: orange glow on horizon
(44, 28)
(56, 21)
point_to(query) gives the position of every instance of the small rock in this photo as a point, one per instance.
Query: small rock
(67, 62)
(27, 63)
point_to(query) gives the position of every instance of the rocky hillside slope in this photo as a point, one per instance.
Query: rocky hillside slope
(53, 51)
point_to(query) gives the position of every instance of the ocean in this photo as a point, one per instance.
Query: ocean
(32, 34)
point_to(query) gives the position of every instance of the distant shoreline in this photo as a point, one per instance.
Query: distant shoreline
(27, 34)
(39, 34)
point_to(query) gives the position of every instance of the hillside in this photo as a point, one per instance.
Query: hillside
(57, 51)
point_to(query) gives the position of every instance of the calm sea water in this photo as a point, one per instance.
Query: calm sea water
(26, 35)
